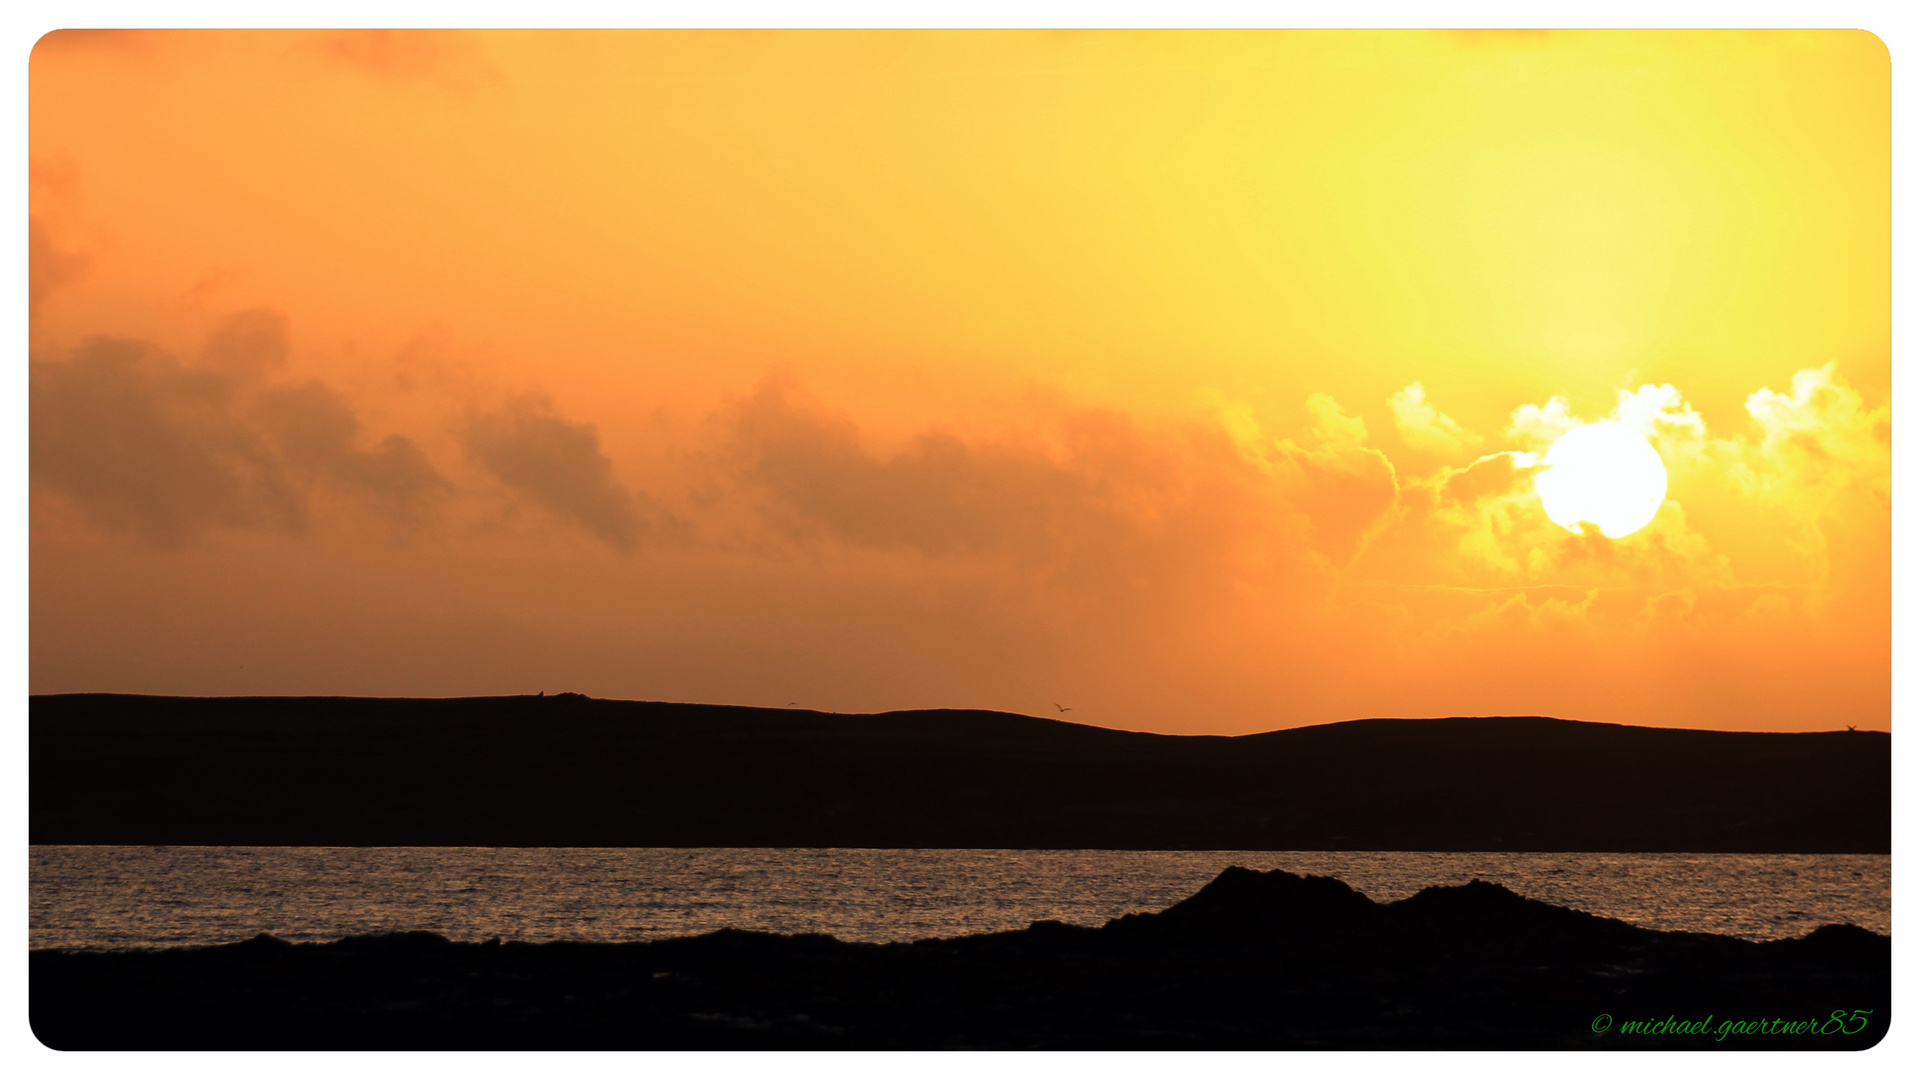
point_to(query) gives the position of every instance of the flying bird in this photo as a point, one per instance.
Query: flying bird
(1061, 707)
(1849, 727)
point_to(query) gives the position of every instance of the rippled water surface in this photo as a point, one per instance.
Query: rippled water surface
(124, 897)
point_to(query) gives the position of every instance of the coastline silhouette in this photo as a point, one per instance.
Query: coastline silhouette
(1253, 960)
(565, 770)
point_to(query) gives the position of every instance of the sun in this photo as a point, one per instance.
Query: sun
(1604, 475)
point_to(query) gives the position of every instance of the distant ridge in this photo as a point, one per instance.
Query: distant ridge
(567, 770)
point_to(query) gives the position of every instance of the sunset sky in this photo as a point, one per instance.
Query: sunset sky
(1194, 380)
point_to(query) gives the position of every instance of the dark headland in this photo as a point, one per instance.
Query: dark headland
(1254, 960)
(566, 770)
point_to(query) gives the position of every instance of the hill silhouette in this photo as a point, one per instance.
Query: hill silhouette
(567, 770)
(1253, 961)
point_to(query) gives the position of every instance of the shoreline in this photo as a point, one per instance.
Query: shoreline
(1255, 960)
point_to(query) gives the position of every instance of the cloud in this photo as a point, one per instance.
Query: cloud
(446, 57)
(1426, 428)
(1087, 501)
(1809, 448)
(48, 268)
(558, 464)
(124, 43)
(938, 494)
(1345, 492)
(145, 444)
(1660, 414)
(1538, 426)
(1338, 490)
(1331, 424)
(1819, 434)
(1799, 496)
(249, 345)
(1493, 476)
(1089, 505)
(316, 430)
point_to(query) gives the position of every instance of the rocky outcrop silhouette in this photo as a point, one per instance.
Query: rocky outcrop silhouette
(1248, 906)
(1254, 960)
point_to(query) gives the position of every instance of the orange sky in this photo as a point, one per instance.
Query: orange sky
(1185, 379)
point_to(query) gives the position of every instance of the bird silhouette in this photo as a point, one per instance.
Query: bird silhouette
(793, 703)
(1061, 707)
(1849, 727)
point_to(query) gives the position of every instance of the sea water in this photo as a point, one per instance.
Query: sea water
(97, 897)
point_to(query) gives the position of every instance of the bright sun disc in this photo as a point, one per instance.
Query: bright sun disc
(1603, 474)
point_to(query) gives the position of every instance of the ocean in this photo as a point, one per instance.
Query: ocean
(99, 897)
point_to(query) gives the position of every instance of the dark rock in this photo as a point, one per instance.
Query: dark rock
(1254, 960)
(1247, 905)
(1486, 916)
(404, 943)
